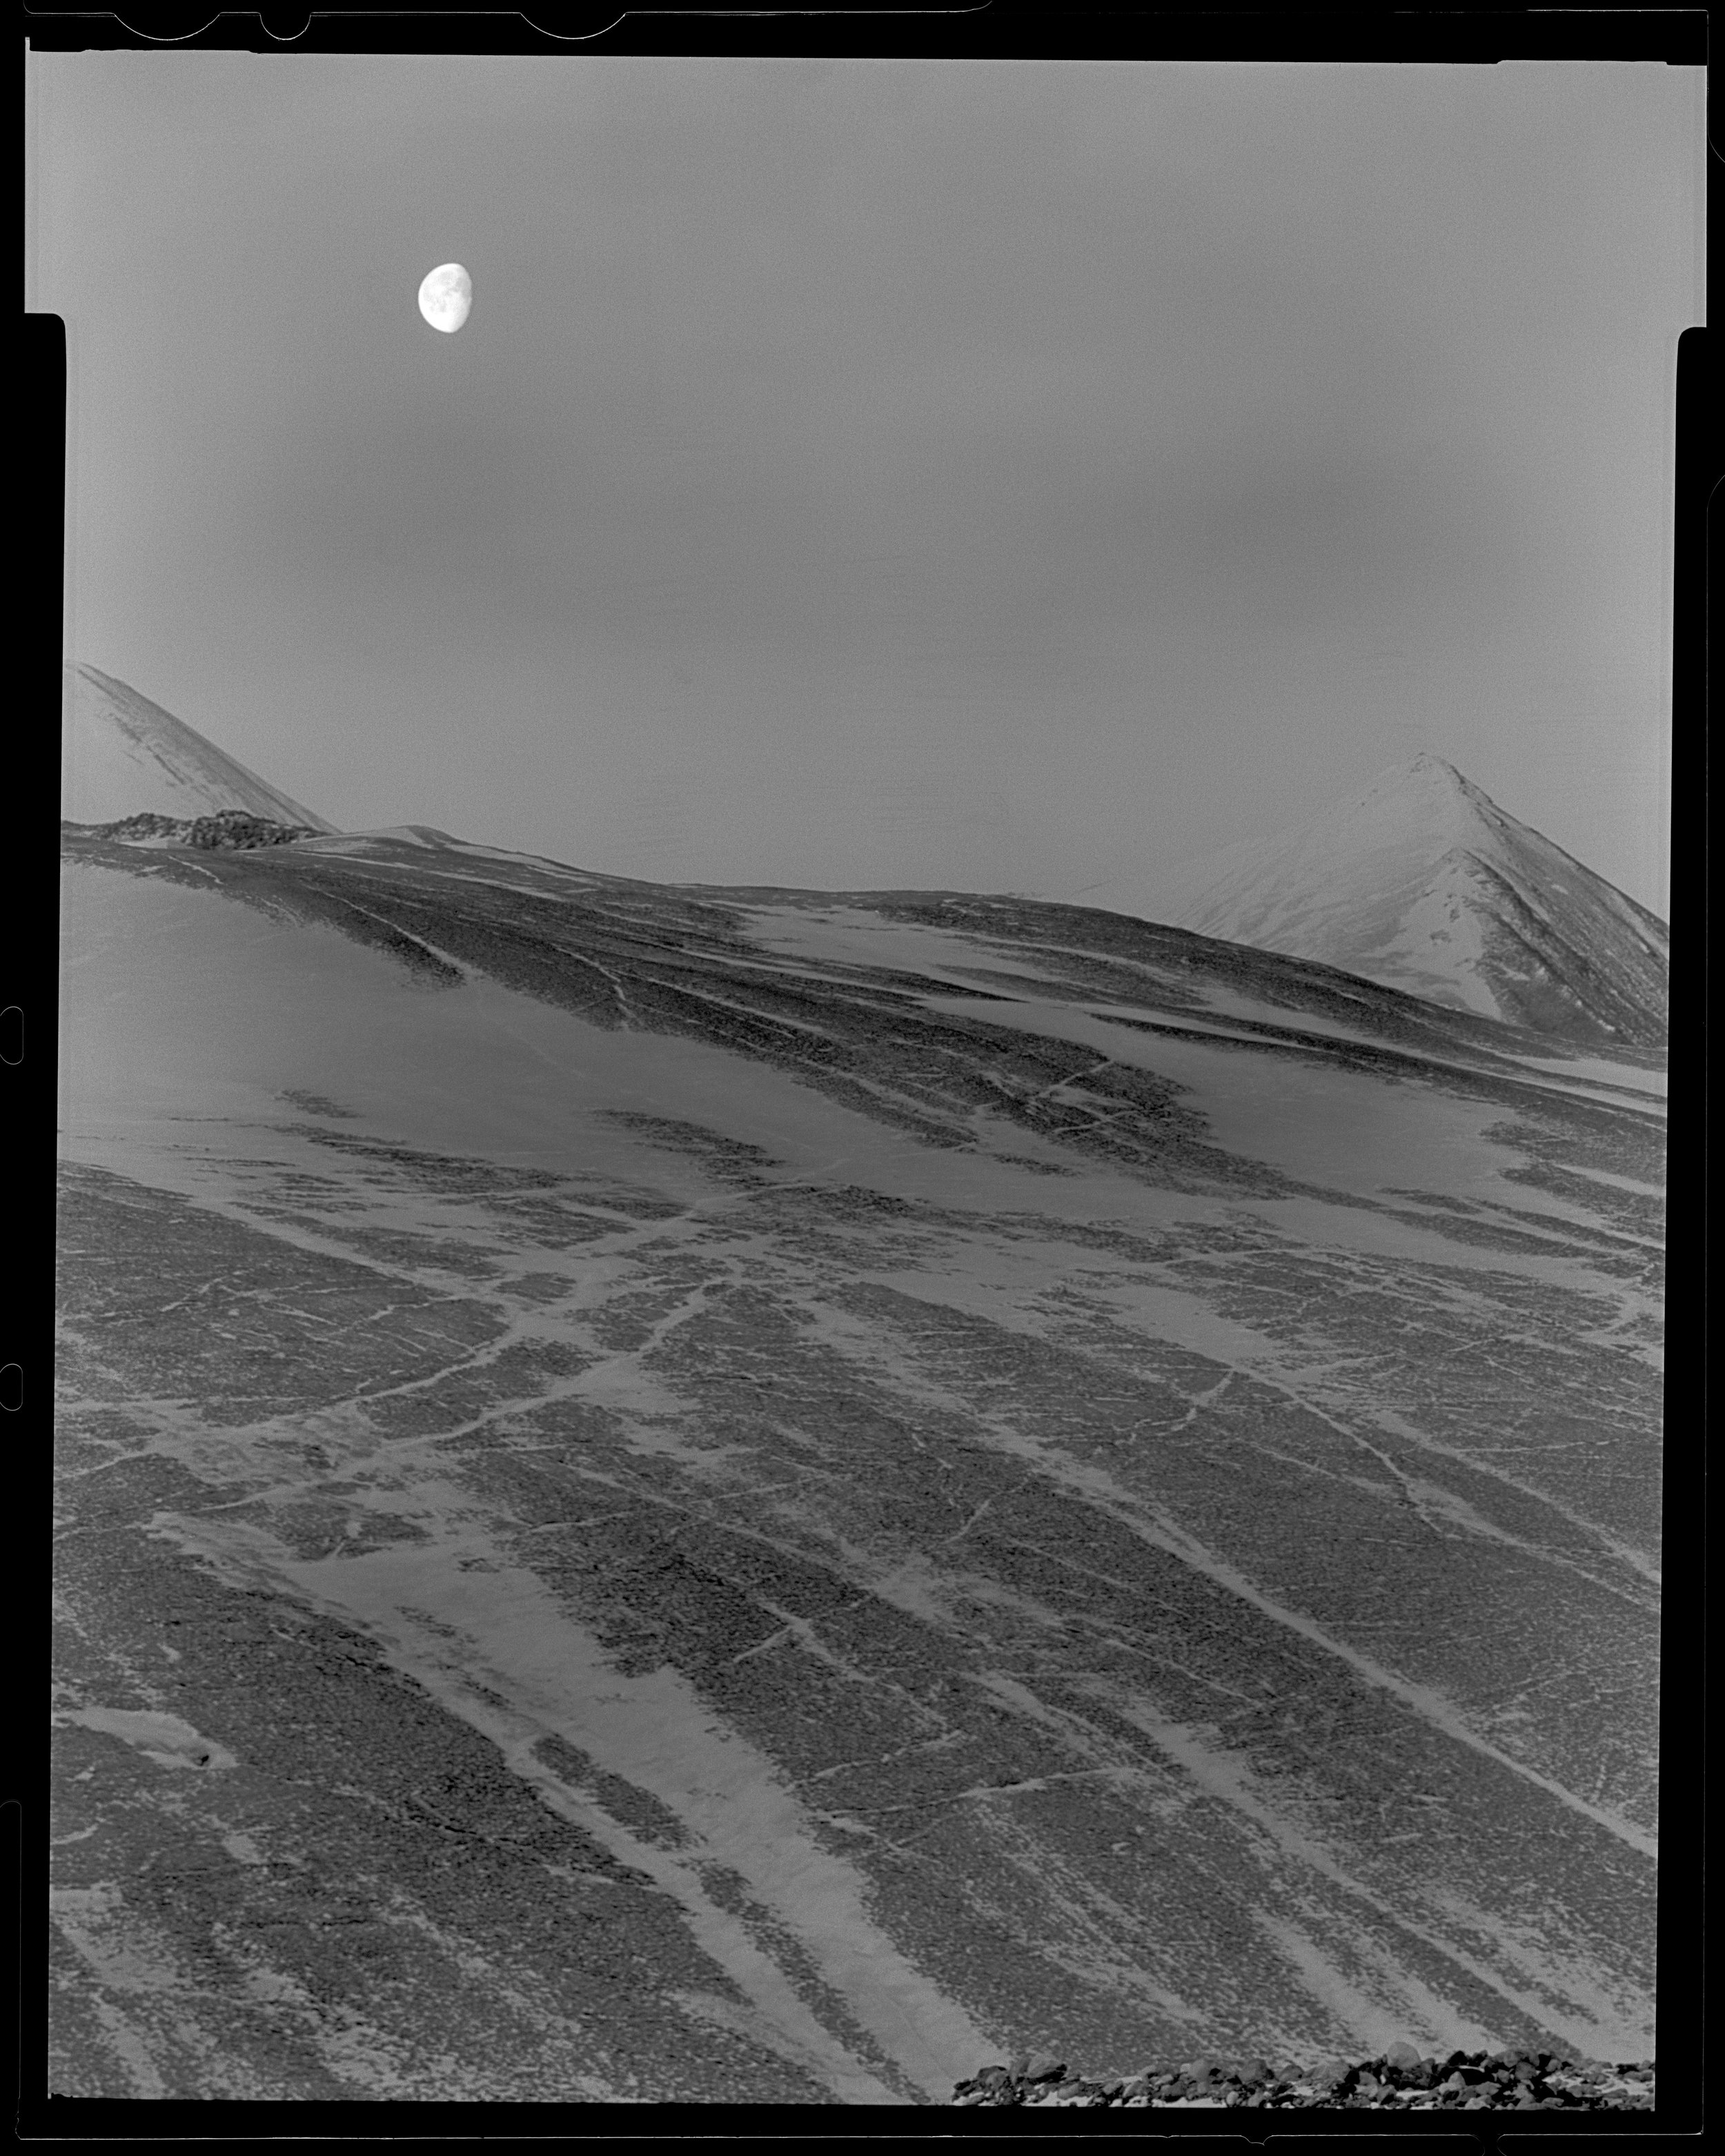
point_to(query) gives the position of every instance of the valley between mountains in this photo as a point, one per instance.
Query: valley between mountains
(669, 1493)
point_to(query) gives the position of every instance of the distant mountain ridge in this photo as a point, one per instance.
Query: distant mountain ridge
(121, 754)
(1420, 882)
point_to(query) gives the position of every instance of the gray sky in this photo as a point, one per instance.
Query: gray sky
(993, 476)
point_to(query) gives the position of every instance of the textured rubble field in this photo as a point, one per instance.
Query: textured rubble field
(1403, 2079)
(673, 1495)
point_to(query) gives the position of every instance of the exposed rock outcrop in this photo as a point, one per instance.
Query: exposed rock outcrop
(228, 830)
(1401, 2079)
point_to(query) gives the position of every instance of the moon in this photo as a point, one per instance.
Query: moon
(446, 297)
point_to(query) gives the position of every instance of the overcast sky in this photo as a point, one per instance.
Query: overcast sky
(997, 475)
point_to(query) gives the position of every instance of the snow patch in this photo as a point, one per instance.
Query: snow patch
(164, 1738)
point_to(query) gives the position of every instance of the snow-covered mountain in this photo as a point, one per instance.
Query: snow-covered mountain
(1421, 881)
(121, 755)
(758, 1495)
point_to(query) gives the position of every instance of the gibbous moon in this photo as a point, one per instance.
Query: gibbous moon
(446, 297)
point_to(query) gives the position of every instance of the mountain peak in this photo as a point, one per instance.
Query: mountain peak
(121, 754)
(1419, 880)
(1435, 779)
(1425, 778)
(1424, 769)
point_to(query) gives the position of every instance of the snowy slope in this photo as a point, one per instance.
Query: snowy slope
(759, 1495)
(1421, 881)
(120, 754)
